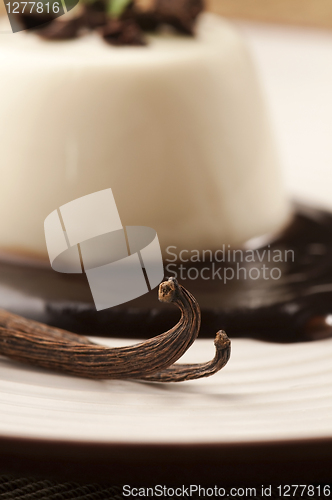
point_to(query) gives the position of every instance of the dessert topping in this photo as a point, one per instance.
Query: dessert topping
(119, 22)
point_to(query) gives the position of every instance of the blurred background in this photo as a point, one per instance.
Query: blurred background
(291, 42)
(314, 13)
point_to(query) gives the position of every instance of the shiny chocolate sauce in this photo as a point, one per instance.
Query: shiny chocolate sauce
(293, 304)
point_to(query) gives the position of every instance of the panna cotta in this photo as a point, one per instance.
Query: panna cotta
(177, 129)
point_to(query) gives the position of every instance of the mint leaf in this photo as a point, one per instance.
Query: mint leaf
(117, 7)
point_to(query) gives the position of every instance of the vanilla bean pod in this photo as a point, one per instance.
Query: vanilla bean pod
(34, 343)
(97, 361)
(181, 372)
(12, 321)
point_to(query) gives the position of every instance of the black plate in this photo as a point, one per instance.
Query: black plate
(289, 309)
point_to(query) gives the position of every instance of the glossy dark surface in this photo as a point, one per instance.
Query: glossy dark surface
(293, 308)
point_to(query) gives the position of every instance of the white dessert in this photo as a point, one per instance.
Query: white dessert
(177, 129)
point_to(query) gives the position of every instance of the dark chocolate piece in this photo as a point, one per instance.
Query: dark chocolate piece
(62, 30)
(181, 14)
(122, 32)
(147, 20)
(125, 29)
(35, 21)
(95, 14)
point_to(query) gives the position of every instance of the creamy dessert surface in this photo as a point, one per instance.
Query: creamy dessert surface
(177, 129)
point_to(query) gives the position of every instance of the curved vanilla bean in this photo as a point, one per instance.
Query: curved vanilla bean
(35, 343)
(181, 372)
(40, 347)
(12, 321)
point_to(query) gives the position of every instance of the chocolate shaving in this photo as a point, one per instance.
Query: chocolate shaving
(59, 30)
(95, 14)
(181, 14)
(34, 21)
(147, 20)
(122, 32)
(126, 30)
